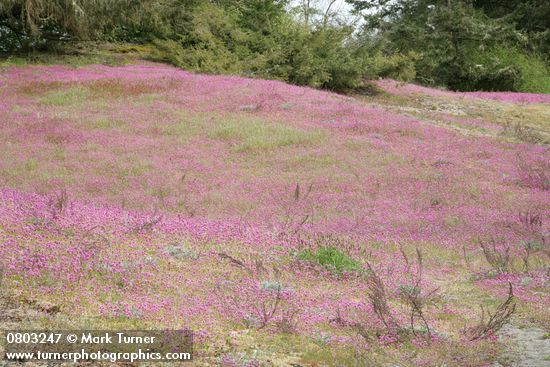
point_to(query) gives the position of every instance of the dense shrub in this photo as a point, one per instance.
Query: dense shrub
(465, 45)
(394, 66)
(502, 69)
(322, 59)
(287, 51)
(212, 45)
(122, 20)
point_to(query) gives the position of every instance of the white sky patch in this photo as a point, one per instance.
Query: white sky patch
(340, 8)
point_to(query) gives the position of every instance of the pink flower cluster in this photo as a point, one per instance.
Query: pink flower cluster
(400, 88)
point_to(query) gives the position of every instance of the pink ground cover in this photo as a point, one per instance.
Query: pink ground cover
(391, 176)
(142, 176)
(406, 89)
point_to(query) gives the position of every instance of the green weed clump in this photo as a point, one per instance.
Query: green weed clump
(330, 258)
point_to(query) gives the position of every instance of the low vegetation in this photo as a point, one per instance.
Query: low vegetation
(331, 258)
(280, 223)
(172, 164)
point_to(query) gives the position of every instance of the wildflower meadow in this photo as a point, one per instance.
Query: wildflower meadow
(283, 225)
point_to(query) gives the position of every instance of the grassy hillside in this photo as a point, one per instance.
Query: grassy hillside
(284, 225)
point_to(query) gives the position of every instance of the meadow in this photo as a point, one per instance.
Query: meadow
(284, 225)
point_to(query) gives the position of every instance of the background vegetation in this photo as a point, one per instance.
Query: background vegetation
(460, 44)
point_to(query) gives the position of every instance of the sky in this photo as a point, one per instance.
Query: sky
(340, 6)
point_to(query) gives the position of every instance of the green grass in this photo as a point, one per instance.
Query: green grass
(105, 123)
(135, 169)
(189, 126)
(243, 133)
(65, 97)
(18, 173)
(331, 258)
(310, 161)
(255, 135)
(90, 56)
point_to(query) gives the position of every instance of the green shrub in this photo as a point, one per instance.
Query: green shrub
(503, 68)
(321, 59)
(214, 43)
(536, 74)
(9, 40)
(331, 258)
(397, 66)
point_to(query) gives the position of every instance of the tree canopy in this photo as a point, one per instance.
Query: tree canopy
(461, 44)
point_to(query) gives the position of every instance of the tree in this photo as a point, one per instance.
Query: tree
(461, 45)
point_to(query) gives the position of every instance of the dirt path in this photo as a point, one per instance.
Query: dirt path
(529, 348)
